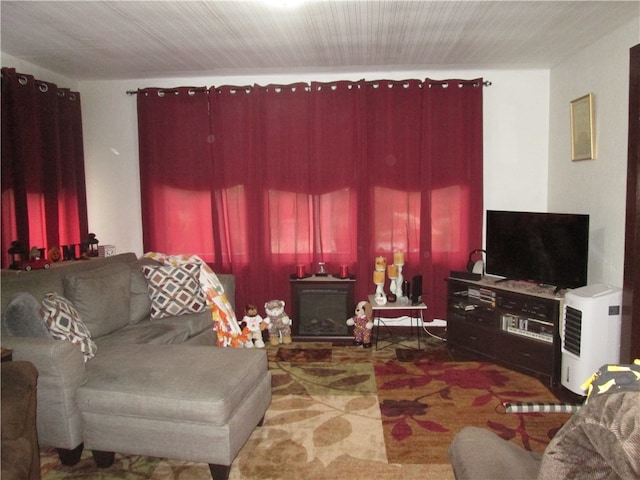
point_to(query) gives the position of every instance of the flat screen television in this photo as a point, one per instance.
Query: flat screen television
(547, 248)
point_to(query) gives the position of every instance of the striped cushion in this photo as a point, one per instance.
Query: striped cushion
(174, 290)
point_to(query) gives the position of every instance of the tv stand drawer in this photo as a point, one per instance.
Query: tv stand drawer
(532, 355)
(473, 337)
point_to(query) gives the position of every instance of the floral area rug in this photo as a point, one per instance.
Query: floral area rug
(423, 405)
(347, 412)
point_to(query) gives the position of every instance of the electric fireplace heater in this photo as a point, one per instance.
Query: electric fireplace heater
(321, 309)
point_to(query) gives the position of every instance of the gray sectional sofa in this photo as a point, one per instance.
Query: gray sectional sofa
(157, 387)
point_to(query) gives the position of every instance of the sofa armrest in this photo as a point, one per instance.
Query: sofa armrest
(478, 453)
(61, 371)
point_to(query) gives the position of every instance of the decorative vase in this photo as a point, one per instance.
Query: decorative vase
(398, 284)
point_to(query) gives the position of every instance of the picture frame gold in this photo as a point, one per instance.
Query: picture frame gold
(582, 129)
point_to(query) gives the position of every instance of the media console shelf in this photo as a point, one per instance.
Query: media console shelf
(515, 324)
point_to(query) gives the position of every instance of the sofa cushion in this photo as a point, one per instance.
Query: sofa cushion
(125, 381)
(40, 282)
(65, 323)
(145, 332)
(194, 323)
(101, 297)
(22, 317)
(174, 290)
(140, 301)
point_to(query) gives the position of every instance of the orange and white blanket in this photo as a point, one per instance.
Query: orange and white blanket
(224, 318)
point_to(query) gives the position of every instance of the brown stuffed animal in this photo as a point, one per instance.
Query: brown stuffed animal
(255, 324)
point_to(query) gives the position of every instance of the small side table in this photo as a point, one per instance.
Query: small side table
(378, 320)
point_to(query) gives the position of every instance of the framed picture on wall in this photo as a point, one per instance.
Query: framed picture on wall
(582, 128)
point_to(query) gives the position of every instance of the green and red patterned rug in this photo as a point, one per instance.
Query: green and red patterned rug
(347, 412)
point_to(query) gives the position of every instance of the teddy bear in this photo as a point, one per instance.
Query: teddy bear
(362, 324)
(255, 324)
(279, 322)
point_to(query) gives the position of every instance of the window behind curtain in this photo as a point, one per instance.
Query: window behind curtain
(43, 183)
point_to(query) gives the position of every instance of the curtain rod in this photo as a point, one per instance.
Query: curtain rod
(485, 83)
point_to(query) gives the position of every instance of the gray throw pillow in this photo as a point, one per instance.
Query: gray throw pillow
(22, 317)
(101, 297)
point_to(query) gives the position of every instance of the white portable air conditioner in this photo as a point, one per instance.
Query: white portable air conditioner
(590, 333)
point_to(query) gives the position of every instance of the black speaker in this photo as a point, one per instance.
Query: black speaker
(416, 290)
(406, 289)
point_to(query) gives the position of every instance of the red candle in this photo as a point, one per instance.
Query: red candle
(300, 271)
(344, 271)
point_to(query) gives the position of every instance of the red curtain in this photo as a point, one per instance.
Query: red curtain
(43, 183)
(452, 149)
(391, 211)
(176, 167)
(295, 174)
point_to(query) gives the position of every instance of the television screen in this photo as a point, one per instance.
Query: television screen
(547, 248)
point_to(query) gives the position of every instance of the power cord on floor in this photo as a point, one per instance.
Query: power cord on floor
(424, 328)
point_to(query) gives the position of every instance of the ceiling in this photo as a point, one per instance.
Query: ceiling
(88, 40)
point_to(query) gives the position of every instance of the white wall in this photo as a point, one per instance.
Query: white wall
(526, 142)
(515, 151)
(596, 187)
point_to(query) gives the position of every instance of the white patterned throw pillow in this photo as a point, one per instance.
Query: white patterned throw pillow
(65, 323)
(174, 290)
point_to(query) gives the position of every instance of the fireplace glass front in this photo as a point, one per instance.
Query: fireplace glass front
(322, 310)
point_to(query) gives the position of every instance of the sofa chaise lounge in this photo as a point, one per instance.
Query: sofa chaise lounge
(154, 386)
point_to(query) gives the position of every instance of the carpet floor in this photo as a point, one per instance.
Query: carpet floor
(347, 412)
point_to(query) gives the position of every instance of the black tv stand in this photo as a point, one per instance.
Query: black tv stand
(514, 323)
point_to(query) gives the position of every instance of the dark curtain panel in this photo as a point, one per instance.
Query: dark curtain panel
(453, 200)
(390, 203)
(176, 170)
(72, 206)
(285, 188)
(295, 174)
(43, 184)
(337, 171)
(241, 229)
